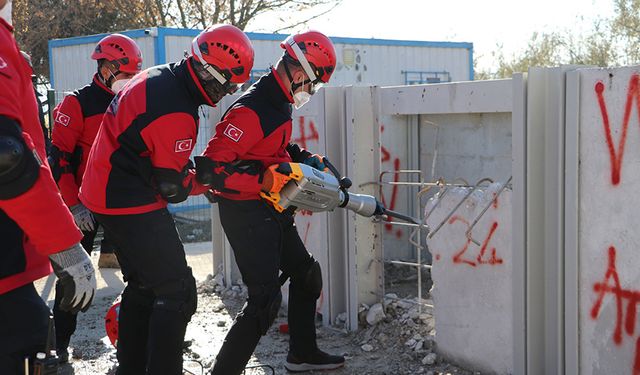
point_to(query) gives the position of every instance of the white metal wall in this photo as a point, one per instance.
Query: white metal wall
(357, 64)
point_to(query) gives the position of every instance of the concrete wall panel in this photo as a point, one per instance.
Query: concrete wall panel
(472, 288)
(609, 276)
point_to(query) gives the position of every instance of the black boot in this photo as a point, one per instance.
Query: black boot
(318, 360)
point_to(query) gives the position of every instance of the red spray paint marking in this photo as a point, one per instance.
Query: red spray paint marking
(494, 259)
(302, 141)
(457, 257)
(617, 156)
(603, 288)
(386, 156)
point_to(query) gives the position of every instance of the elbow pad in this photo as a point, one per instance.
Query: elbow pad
(19, 166)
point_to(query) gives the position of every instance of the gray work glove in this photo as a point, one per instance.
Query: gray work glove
(83, 217)
(77, 276)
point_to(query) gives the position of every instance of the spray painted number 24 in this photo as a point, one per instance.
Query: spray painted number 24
(460, 258)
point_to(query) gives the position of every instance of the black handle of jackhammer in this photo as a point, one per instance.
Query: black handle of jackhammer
(345, 182)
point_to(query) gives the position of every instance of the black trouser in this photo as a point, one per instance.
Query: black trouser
(24, 319)
(64, 320)
(264, 242)
(160, 296)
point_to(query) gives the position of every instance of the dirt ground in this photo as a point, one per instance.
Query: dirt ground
(401, 342)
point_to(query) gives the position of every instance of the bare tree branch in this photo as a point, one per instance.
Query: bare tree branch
(307, 20)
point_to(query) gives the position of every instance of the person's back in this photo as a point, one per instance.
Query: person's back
(139, 164)
(159, 104)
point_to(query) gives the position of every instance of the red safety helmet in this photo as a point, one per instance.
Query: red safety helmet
(111, 323)
(120, 50)
(226, 48)
(315, 52)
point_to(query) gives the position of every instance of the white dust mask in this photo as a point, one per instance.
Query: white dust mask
(301, 98)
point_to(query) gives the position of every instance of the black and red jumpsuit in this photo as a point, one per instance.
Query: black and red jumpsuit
(138, 163)
(76, 122)
(254, 134)
(34, 221)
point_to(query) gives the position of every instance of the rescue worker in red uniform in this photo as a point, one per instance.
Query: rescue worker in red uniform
(76, 122)
(239, 162)
(36, 228)
(138, 164)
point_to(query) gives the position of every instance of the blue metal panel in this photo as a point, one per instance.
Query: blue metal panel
(160, 46)
(365, 41)
(179, 32)
(138, 33)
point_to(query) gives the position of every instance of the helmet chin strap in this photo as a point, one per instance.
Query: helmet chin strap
(110, 79)
(299, 55)
(294, 86)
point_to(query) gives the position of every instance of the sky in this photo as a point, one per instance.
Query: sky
(485, 23)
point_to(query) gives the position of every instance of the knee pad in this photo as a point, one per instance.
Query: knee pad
(309, 281)
(179, 295)
(263, 305)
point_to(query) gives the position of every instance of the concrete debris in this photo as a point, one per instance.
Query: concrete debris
(341, 319)
(430, 359)
(399, 341)
(375, 314)
(366, 348)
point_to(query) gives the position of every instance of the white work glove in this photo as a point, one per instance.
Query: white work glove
(83, 218)
(77, 277)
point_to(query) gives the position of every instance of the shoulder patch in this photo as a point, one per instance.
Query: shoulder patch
(183, 145)
(233, 132)
(62, 119)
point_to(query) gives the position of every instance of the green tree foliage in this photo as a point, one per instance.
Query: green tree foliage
(38, 21)
(610, 42)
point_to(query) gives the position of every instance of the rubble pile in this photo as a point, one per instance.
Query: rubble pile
(395, 337)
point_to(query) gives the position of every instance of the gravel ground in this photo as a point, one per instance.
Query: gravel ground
(399, 340)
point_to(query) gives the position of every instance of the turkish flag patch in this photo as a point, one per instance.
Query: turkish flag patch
(232, 132)
(63, 119)
(184, 145)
